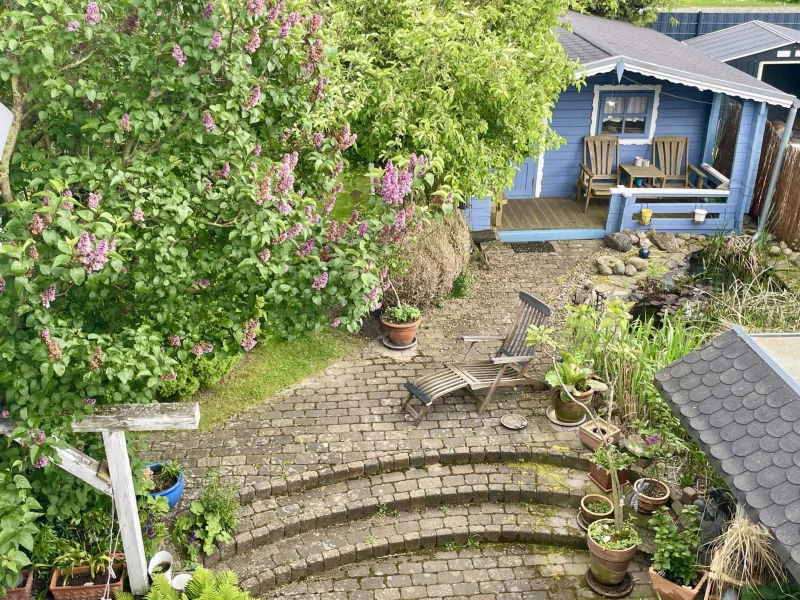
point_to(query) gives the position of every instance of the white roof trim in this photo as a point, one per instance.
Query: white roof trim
(700, 82)
(738, 56)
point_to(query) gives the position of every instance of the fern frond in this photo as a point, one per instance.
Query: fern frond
(202, 581)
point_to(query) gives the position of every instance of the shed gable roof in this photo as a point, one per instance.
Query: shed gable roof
(744, 412)
(743, 40)
(599, 45)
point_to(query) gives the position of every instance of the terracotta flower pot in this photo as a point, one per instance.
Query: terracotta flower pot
(590, 516)
(84, 592)
(24, 592)
(608, 566)
(603, 479)
(593, 439)
(401, 334)
(654, 497)
(668, 590)
(569, 410)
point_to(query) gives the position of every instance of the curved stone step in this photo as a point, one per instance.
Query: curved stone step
(306, 554)
(282, 517)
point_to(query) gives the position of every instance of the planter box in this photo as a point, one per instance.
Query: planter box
(84, 592)
(592, 440)
(603, 480)
(672, 591)
(24, 592)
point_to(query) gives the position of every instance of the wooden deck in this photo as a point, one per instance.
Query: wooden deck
(525, 214)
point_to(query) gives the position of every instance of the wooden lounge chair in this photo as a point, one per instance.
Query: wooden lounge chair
(509, 367)
(671, 157)
(598, 171)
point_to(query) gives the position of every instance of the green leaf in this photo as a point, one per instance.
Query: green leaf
(78, 275)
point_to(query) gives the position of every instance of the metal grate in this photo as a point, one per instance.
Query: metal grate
(532, 247)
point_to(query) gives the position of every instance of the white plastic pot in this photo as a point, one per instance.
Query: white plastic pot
(160, 557)
(700, 215)
(181, 580)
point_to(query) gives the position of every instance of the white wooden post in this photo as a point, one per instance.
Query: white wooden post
(6, 119)
(119, 467)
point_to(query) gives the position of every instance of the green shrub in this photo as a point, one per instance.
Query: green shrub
(675, 545)
(204, 585)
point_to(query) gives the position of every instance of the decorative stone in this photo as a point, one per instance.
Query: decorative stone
(664, 241)
(644, 252)
(775, 250)
(787, 251)
(634, 239)
(689, 495)
(618, 241)
(645, 243)
(618, 268)
(640, 264)
(604, 270)
(630, 270)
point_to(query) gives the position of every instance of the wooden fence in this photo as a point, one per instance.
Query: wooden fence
(784, 218)
(728, 132)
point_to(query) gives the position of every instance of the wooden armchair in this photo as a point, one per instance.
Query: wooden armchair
(598, 171)
(671, 157)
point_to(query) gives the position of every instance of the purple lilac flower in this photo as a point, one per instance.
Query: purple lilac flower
(125, 123)
(67, 193)
(249, 329)
(276, 9)
(33, 252)
(336, 322)
(89, 401)
(73, 26)
(208, 11)
(45, 200)
(92, 259)
(652, 439)
(319, 89)
(170, 376)
(257, 150)
(305, 248)
(92, 14)
(223, 173)
(37, 225)
(253, 99)
(4, 413)
(329, 205)
(400, 221)
(178, 55)
(318, 139)
(264, 255)
(38, 437)
(395, 185)
(345, 139)
(216, 40)
(138, 215)
(201, 348)
(48, 296)
(208, 122)
(203, 283)
(309, 210)
(286, 173)
(284, 207)
(314, 24)
(94, 200)
(97, 358)
(321, 281)
(2, 286)
(255, 8)
(174, 341)
(43, 460)
(315, 220)
(255, 41)
(362, 229)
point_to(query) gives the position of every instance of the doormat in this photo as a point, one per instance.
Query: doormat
(532, 247)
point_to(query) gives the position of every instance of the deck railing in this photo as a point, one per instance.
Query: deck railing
(673, 209)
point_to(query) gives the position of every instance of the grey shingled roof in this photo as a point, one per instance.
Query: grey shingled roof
(743, 40)
(744, 412)
(599, 44)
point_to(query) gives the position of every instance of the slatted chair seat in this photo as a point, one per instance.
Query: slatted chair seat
(671, 157)
(598, 172)
(509, 367)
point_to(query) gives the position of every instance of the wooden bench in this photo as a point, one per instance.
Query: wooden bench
(481, 242)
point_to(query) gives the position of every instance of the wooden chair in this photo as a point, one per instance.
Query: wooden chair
(509, 367)
(671, 157)
(598, 171)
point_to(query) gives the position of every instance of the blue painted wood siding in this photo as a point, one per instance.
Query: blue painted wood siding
(682, 111)
(683, 25)
(478, 213)
(624, 214)
(524, 180)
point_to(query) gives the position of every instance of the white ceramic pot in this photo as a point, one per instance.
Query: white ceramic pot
(700, 215)
(181, 580)
(161, 557)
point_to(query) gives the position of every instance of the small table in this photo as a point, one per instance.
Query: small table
(633, 172)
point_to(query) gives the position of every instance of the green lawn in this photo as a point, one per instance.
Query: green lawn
(352, 180)
(270, 367)
(734, 3)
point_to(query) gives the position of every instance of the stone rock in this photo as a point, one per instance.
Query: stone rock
(607, 265)
(783, 245)
(640, 264)
(775, 250)
(618, 241)
(664, 241)
(645, 243)
(630, 271)
(634, 240)
(604, 270)
(787, 251)
(680, 241)
(585, 294)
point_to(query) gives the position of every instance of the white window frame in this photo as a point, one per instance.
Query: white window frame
(627, 141)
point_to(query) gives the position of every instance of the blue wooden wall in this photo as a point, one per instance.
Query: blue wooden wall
(686, 24)
(682, 111)
(478, 213)
(524, 181)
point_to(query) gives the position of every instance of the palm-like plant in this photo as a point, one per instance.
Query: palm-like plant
(203, 585)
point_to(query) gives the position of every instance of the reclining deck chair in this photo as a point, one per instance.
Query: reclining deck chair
(509, 367)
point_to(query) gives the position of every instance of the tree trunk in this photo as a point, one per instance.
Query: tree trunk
(18, 98)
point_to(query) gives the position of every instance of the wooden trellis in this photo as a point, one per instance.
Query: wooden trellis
(114, 476)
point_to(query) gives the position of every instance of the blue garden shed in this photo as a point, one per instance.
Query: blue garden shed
(644, 97)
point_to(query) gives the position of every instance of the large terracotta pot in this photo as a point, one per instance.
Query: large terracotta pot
(593, 439)
(672, 591)
(24, 592)
(84, 592)
(401, 334)
(603, 479)
(568, 410)
(608, 566)
(590, 516)
(653, 499)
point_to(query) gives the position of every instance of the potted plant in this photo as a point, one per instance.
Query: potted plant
(24, 586)
(576, 384)
(674, 573)
(611, 551)
(651, 493)
(167, 481)
(595, 507)
(82, 575)
(592, 434)
(600, 470)
(401, 323)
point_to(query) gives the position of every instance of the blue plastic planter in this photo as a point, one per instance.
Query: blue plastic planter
(173, 494)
